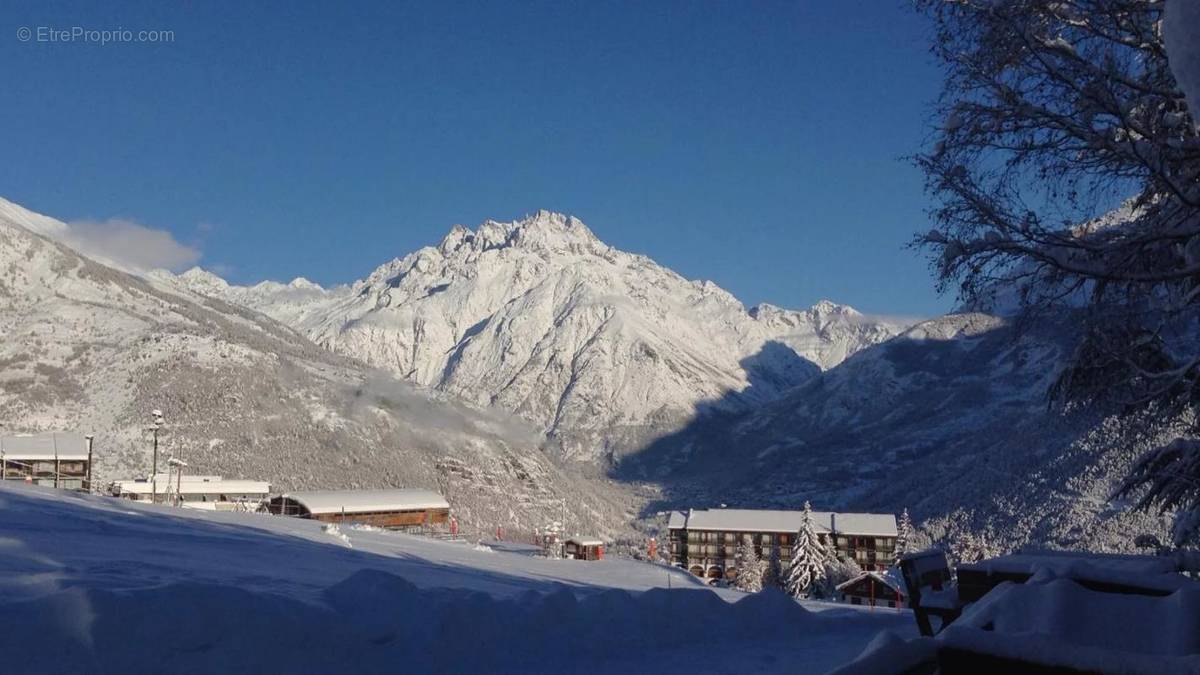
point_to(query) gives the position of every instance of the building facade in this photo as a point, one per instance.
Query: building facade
(583, 548)
(705, 541)
(210, 493)
(53, 459)
(875, 589)
(392, 508)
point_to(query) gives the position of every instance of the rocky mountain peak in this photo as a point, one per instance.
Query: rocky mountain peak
(601, 348)
(544, 232)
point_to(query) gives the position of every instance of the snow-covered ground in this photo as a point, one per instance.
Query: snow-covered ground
(94, 584)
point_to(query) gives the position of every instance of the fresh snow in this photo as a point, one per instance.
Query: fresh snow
(602, 349)
(94, 584)
(90, 349)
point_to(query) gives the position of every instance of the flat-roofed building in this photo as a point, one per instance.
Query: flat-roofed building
(210, 493)
(705, 541)
(392, 508)
(55, 459)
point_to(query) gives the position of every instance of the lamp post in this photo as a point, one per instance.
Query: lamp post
(89, 439)
(179, 464)
(158, 422)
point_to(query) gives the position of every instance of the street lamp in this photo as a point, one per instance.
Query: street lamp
(179, 465)
(158, 423)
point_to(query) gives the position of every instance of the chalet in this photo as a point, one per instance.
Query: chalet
(55, 459)
(584, 548)
(704, 541)
(875, 589)
(393, 508)
(209, 493)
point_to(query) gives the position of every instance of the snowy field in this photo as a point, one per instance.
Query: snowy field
(93, 584)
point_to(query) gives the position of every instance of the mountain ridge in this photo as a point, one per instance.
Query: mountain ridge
(603, 349)
(92, 348)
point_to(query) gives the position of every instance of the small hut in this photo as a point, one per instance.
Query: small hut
(381, 508)
(584, 548)
(882, 589)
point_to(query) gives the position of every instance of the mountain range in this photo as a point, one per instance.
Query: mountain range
(527, 368)
(601, 349)
(88, 347)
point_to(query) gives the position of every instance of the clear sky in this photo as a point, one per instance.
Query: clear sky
(756, 144)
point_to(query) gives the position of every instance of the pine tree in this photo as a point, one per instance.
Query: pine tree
(773, 569)
(903, 533)
(750, 568)
(839, 571)
(809, 556)
(971, 548)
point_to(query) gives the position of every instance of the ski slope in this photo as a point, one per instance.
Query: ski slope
(94, 584)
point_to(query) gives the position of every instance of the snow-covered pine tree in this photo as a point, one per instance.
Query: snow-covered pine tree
(773, 569)
(903, 534)
(838, 571)
(750, 568)
(971, 548)
(809, 556)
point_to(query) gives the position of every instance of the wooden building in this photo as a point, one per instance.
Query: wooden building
(875, 589)
(55, 459)
(705, 541)
(394, 508)
(583, 548)
(208, 493)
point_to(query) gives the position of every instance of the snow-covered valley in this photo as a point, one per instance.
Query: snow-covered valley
(94, 584)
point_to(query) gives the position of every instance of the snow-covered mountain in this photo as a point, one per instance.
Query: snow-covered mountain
(949, 419)
(87, 347)
(602, 349)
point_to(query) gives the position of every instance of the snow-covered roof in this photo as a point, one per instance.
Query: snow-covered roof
(677, 521)
(763, 520)
(890, 578)
(65, 445)
(193, 485)
(585, 541)
(367, 501)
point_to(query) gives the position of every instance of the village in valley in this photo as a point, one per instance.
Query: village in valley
(847, 557)
(869, 561)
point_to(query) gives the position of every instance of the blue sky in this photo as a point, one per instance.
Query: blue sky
(755, 144)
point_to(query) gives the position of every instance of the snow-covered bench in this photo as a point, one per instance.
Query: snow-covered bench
(1103, 572)
(930, 592)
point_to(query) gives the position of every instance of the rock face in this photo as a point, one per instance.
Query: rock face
(601, 349)
(87, 347)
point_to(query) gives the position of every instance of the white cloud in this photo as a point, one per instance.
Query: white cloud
(129, 245)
